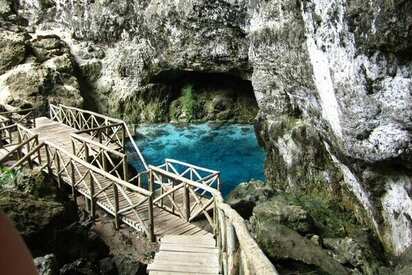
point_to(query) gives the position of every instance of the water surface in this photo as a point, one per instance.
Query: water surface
(231, 149)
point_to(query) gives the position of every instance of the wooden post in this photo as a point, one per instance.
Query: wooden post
(38, 152)
(29, 160)
(92, 199)
(20, 141)
(173, 196)
(125, 169)
(232, 261)
(186, 202)
(116, 207)
(86, 152)
(139, 181)
(59, 178)
(215, 220)
(151, 181)
(222, 232)
(151, 220)
(73, 181)
(49, 169)
(161, 190)
(124, 136)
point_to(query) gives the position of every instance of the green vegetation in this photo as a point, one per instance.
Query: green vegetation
(188, 101)
(330, 219)
(7, 177)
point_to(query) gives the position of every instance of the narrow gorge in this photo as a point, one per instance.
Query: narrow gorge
(327, 86)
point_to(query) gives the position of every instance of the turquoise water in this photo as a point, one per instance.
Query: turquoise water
(231, 149)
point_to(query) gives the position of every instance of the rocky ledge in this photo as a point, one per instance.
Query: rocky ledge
(62, 240)
(311, 234)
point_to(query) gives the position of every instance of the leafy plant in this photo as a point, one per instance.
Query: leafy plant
(7, 177)
(188, 102)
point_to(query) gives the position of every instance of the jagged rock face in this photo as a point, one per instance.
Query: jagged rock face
(351, 91)
(333, 81)
(35, 72)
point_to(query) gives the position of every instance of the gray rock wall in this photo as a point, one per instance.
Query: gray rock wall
(333, 81)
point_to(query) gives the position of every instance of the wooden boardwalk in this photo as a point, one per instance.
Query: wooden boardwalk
(176, 202)
(59, 134)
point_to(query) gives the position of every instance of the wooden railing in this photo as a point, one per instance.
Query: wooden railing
(93, 183)
(101, 156)
(181, 196)
(26, 117)
(21, 142)
(239, 252)
(113, 135)
(106, 128)
(7, 136)
(202, 175)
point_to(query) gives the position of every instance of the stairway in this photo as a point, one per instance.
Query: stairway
(186, 255)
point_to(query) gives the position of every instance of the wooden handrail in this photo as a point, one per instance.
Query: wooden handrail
(99, 128)
(115, 120)
(183, 179)
(18, 147)
(191, 166)
(28, 155)
(97, 144)
(238, 249)
(8, 127)
(256, 259)
(102, 172)
(17, 111)
(177, 187)
(108, 120)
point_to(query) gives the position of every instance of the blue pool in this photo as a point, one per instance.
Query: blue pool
(231, 149)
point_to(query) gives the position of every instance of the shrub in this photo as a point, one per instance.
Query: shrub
(188, 102)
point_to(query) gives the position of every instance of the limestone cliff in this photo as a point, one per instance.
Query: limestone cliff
(333, 82)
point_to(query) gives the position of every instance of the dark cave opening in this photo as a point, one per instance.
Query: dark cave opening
(210, 96)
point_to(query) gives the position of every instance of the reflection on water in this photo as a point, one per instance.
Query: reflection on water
(229, 148)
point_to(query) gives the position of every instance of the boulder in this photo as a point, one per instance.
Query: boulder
(12, 48)
(279, 210)
(62, 63)
(46, 47)
(78, 241)
(281, 243)
(246, 196)
(349, 252)
(26, 84)
(5, 7)
(36, 85)
(30, 214)
(46, 265)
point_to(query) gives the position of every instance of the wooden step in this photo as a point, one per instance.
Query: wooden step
(185, 254)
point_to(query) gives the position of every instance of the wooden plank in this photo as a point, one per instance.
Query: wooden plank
(183, 268)
(186, 248)
(181, 257)
(189, 240)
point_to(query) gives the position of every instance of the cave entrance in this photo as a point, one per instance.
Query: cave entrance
(197, 96)
(223, 108)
